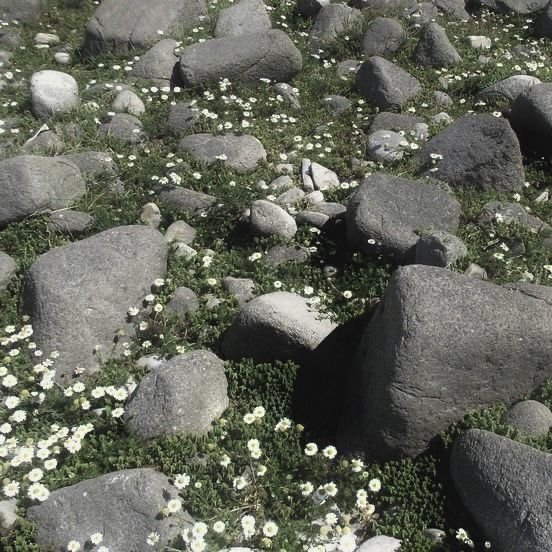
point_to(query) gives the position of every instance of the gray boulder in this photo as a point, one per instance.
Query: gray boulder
(523, 7)
(268, 219)
(47, 143)
(183, 302)
(158, 64)
(385, 146)
(180, 231)
(381, 543)
(433, 352)
(7, 271)
(478, 151)
(434, 48)
(120, 25)
(30, 185)
(456, 8)
(194, 203)
(530, 418)
(183, 395)
(244, 17)
(124, 506)
(78, 295)
(239, 152)
(276, 326)
(53, 92)
(421, 13)
(280, 254)
(126, 128)
(507, 488)
(439, 248)
(128, 101)
(384, 84)
(385, 6)
(245, 58)
(383, 37)
(93, 163)
(508, 89)
(182, 117)
(410, 125)
(288, 93)
(69, 221)
(386, 213)
(332, 20)
(24, 11)
(242, 289)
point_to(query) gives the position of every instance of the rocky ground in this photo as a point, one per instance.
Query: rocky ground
(275, 276)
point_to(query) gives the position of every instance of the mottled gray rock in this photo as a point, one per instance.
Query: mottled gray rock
(283, 182)
(182, 117)
(158, 64)
(124, 127)
(386, 212)
(239, 152)
(385, 146)
(517, 6)
(530, 418)
(434, 48)
(432, 353)
(289, 94)
(383, 37)
(456, 8)
(332, 20)
(380, 543)
(506, 487)
(384, 84)
(443, 99)
(240, 288)
(151, 215)
(543, 23)
(276, 326)
(348, 68)
(311, 218)
(78, 295)
(336, 103)
(47, 143)
(268, 219)
(441, 118)
(330, 208)
(244, 17)
(290, 197)
(53, 92)
(30, 185)
(69, 221)
(476, 271)
(183, 302)
(180, 231)
(421, 13)
(24, 11)
(410, 125)
(93, 163)
(192, 202)
(8, 514)
(244, 58)
(183, 395)
(124, 506)
(128, 101)
(509, 88)
(7, 271)
(480, 151)
(385, 6)
(8, 37)
(439, 248)
(121, 25)
(280, 254)
(478, 42)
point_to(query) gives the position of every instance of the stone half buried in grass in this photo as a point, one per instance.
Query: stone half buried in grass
(183, 395)
(440, 346)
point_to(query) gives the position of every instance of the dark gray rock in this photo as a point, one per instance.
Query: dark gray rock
(244, 58)
(432, 353)
(506, 487)
(93, 163)
(47, 142)
(383, 37)
(183, 395)
(78, 295)
(456, 8)
(434, 48)
(124, 506)
(280, 254)
(276, 326)
(336, 103)
(268, 219)
(118, 26)
(158, 64)
(194, 203)
(126, 128)
(239, 152)
(182, 117)
(332, 20)
(7, 271)
(385, 146)
(180, 231)
(310, 8)
(240, 288)
(244, 17)
(523, 7)
(439, 248)
(24, 11)
(183, 302)
(386, 212)
(31, 185)
(543, 23)
(330, 208)
(478, 151)
(531, 418)
(311, 218)
(69, 221)
(384, 84)
(508, 89)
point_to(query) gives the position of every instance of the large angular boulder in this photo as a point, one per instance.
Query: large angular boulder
(239, 152)
(383, 37)
(53, 92)
(387, 213)
(247, 16)
(245, 58)
(24, 11)
(439, 346)
(331, 21)
(183, 395)
(276, 326)
(30, 185)
(158, 64)
(121, 25)
(384, 84)
(434, 48)
(479, 151)
(78, 295)
(507, 488)
(124, 506)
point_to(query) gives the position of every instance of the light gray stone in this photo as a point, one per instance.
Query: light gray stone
(53, 92)
(530, 418)
(336, 103)
(508, 89)
(290, 197)
(7, 270)
(93, 163)
(128, 101)
(421, 13)
(348, 68)
(439, 248)
(180, 231)
(289, 94)
(78, 295)
(311, 218)
(7, 513)
(331, 21)
(126, 128)
(385, 146)
(381, 543)
(476, 271)
(158, 64)
(183, 302)
(478, 42)
(47, 143)
(322, 177)
(383, 37)
(244, 17)
(151, 215)
(194, 203)
(310, 8)
(70, 221)
(24, 11)
(268, 219)
(280, 254)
